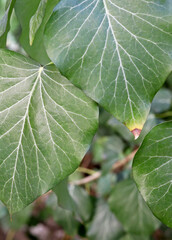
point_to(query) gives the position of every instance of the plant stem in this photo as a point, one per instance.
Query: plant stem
(118, 165)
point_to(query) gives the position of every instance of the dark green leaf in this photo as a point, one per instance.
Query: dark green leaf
(5, 22)
(129, 207)
(63, 196)
(66, 219)
(46, 126)
(105, 184)
(82, 201)
(74, 199)
(37, 50)
(36, 20)
(162, 101)
(152, 170)
(118, 52)
(104, 225)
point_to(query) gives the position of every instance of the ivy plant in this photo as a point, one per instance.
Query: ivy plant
(79, 55)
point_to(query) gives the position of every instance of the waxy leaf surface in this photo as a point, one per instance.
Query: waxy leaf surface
(46, 126)
(152, 170)
(118, 52)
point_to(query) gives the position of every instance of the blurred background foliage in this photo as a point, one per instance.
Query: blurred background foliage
(100, 200)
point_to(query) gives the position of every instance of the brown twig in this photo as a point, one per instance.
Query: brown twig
(118, 165)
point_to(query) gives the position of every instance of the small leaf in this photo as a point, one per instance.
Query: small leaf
(129, 207)
(63, 196)
(82, 201)
(65, 219)
(162, 101)
(104, 225)
(24, 14)
(118, 52)
(152, 170)
(36, 20)
(46, 126)
(5, 22)
(73, 198)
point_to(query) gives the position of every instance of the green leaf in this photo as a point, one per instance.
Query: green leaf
(134, 237)
(152, 170)
(65, 219)
(5, 22)
(73, 198)
(105, 184)
(120, 128)
(118, 52)
(82, 201)
(46, 126)
(162, 101)
(24, 14)
(129, 207)
(104, 225)
(151, 122)
(36, 20)
(63, 196)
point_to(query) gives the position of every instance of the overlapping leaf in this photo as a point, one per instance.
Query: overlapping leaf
(104, 226)
(36, 20)
(118, 52)
(129, 207)
(46, 125)
(25, 10)
(5, 22)
(152, 170)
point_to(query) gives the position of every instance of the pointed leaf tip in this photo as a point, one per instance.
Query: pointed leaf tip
(136, 132)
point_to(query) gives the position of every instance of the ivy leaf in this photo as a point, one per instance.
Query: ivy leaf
(73, 198)
(104, 225)
(118, 52)
(46, 126)
(129, 207)
(63, 196)
(36, 20)
(24, 14)
(5, 22)
(162, 101)
(152, 169)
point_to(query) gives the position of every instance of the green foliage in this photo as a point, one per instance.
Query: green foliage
(40, 110)
(125, 201)
(105, 221)
(152, 171)
(114, 53)
(37, 50)
(118, 52)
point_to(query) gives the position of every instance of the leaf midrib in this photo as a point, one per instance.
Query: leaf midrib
(21, 135)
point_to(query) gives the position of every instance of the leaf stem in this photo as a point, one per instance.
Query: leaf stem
(118, 165)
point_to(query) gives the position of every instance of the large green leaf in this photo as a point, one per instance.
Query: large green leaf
(5, 22)
(129, 207)
(25, 10)
(104, 226)
(46, 125)
(152, 170)
(118, 52)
